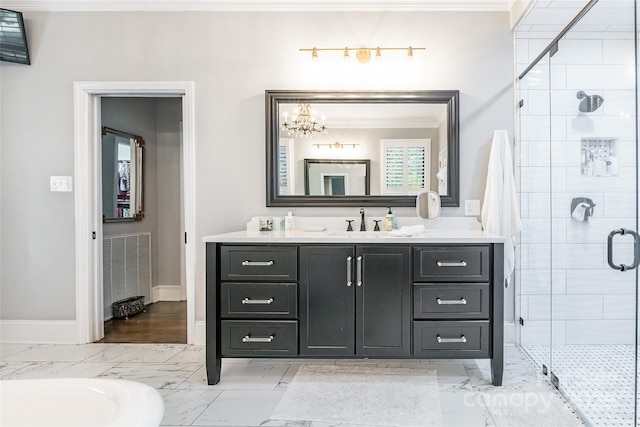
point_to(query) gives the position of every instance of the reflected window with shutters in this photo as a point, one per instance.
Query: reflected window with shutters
(285, 167)
(405, 166)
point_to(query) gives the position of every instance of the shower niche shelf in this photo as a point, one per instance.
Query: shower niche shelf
(599, 157)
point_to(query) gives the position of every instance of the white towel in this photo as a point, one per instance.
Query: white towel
(408, 231)
(442, 180)
(500, 212)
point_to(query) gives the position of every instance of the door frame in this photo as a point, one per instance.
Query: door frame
(88, 215)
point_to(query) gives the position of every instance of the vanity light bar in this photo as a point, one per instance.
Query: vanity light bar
(363, 54)
(336, 145)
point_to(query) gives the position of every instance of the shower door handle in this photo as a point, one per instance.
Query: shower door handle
(636, 249)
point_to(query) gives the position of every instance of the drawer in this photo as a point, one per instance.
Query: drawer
(451, 301)
(259, 300)
(258, 263)
(451, 264)
(249, 338)
(465, 339)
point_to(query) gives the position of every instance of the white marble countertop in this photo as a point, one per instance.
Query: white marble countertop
(436, 236)
(442, 230)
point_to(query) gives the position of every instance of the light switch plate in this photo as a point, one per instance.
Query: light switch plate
(61, 183)
(472, 207)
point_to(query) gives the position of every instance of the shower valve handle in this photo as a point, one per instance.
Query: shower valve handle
(636, 249)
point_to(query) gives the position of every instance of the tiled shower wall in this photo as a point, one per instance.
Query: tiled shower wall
(562, 272)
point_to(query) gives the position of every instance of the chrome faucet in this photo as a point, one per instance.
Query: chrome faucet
(363, 226)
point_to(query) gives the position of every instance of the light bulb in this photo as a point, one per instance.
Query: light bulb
(410, 53)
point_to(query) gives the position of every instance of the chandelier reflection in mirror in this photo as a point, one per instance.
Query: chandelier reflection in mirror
(303, 122)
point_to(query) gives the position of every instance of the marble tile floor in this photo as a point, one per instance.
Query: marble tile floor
(251, 388)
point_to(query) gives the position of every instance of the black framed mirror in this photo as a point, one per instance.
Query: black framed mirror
(410, 138)
(335, 177)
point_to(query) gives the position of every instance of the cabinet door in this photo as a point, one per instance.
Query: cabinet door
(326, 300)
(383, 301)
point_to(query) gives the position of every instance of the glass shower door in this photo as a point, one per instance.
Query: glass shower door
(533, 262)
(594, 164)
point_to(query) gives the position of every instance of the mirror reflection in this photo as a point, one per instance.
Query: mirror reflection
(122, 191)
(327, 177)
(405, 143)
(410, 140)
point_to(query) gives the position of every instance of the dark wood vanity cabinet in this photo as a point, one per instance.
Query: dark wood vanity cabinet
(355, 300)
(343, 300)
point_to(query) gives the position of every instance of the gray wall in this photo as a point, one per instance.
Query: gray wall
(232, 58)
(136, 116)
(169, 237)
(157, 121)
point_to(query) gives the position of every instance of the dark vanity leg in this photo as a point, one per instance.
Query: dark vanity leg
(213, 358)
(213, 370)
(497, 350)
(497, 364)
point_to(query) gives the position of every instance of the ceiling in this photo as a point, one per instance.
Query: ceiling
(258, 5)
(551, 16)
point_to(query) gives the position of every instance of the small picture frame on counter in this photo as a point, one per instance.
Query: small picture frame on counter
(266, 224)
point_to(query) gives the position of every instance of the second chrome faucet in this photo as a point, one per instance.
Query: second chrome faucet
(363, 225)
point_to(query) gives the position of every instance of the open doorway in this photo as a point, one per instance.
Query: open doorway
(142, 244)
(88, 207)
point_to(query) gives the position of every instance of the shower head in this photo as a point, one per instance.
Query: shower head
(589, 103)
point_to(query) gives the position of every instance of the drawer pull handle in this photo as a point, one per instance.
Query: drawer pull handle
(349, 274)
(441, 340)
(359, 271)
(257, 263)
(248, 338)
(451, 264)
(257, 301)
(460, 301)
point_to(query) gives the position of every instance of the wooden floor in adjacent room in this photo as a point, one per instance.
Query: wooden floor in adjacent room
(161, 322)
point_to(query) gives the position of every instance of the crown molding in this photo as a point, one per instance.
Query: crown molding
(259, 5)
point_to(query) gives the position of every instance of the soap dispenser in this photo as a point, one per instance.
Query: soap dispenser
(388, 221)
(290, 222)
(395, 219)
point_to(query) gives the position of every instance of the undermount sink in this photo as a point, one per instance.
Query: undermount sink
(359, 234)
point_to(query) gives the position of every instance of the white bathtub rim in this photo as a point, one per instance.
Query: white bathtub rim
(55, 402)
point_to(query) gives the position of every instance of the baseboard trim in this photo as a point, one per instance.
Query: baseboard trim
(200, 333)
(510, 333)
(166, 293)
(38, 331)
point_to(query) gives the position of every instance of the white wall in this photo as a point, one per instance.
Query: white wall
(232, 58)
